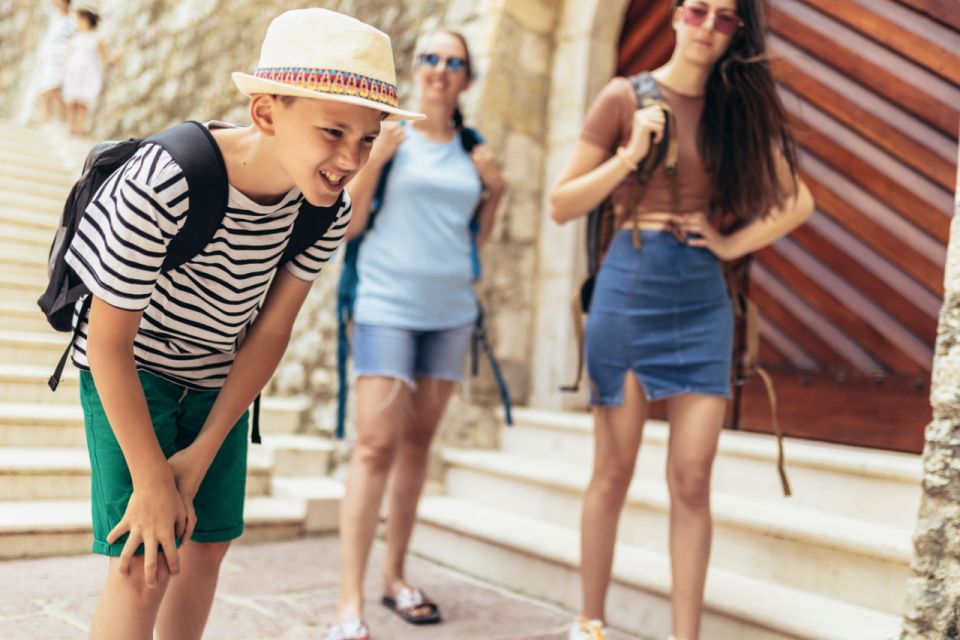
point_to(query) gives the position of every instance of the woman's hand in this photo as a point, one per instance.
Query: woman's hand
(696, 231)
(155, 515)
(391, 137)
(487, 168)
(188, 472)
(647, 122)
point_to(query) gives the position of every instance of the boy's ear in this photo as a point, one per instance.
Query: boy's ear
(263, 113)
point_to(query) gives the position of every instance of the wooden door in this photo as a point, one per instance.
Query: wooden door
(849, 302)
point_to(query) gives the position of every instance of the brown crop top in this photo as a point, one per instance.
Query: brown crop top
(609, 123)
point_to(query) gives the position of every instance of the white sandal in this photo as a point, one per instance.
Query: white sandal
(584, 629)
(349, 629)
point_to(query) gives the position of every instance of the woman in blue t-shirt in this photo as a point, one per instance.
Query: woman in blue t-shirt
(414, 317)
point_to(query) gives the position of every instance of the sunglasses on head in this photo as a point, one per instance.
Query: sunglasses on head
(695, 15)
(433, 60)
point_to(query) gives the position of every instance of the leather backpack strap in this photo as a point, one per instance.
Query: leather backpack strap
(781, 457)
(578, 327)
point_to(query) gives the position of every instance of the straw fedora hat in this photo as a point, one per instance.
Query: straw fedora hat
(318, 53)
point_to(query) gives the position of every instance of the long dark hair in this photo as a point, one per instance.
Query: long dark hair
(744, 124)
(457, 119)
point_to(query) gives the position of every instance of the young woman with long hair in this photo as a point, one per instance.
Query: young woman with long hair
(661, 324)
(414, 316)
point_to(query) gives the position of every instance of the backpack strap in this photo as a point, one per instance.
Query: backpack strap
(647, 93)
(193, 147)
(481, 341)
(312, 223)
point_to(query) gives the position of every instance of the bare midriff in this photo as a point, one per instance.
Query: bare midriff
(648, 220)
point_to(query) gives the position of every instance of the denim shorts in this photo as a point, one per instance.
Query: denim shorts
(407, 354)
(662, 312)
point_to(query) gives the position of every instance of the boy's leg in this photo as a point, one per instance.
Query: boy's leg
(186, 607)
(127, 607)
(219, 508)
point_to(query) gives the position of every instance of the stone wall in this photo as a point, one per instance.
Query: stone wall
(177, 56)
(584, 60)
(933, 595)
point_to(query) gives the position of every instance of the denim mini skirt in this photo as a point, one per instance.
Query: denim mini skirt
(661, 311)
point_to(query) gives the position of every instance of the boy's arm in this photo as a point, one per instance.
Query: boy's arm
(155, 512)
(256, 361)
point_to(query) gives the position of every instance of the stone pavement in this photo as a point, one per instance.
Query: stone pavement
(276, 591)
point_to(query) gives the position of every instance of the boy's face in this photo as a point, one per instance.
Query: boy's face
(322, 144)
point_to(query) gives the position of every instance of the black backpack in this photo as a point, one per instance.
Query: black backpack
(193, 147)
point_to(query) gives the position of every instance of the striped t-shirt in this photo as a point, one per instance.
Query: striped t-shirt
(194, 316)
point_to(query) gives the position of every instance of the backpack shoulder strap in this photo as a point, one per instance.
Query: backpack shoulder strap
(312, 223)
(470, 138)
(192, 146)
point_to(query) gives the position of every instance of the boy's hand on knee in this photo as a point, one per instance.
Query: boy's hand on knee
(189, 467)
(155, 515)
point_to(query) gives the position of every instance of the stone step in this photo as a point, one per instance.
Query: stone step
(12, 215)
(540, 560)
(23, 288)
(63, 473)
(28, 239)
(321, 497)
(22, 316)
(39, 349)
(47, 527)
(51, 424)
(781, 543)
(30, 206)
(29, 263)
(35, 146)
(15, 176)
(46, 163)
(877, 486)
(299, 455)
(28, 383)
(24, 134)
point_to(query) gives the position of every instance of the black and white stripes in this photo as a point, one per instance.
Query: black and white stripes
(195, 316)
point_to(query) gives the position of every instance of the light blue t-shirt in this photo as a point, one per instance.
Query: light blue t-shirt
(415, 264)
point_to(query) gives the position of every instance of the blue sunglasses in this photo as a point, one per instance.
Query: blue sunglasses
(432, 60)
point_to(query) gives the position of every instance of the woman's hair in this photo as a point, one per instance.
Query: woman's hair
(457, 119)
(89, 16)
(744, 123)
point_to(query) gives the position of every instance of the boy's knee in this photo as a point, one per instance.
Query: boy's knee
(135, 582)
(209, 554)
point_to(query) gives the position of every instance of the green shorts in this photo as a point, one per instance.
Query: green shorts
(178, 414)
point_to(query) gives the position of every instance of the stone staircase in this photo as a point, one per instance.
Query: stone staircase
(830, 563)
(44, 467)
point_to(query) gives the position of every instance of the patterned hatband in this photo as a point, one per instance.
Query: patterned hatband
(331, 81)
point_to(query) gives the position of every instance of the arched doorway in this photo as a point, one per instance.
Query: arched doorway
(849, 302)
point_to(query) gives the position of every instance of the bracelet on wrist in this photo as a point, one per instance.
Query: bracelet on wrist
(625, 159)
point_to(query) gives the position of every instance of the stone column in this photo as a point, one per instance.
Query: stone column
(932, 610)
(584, 60)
